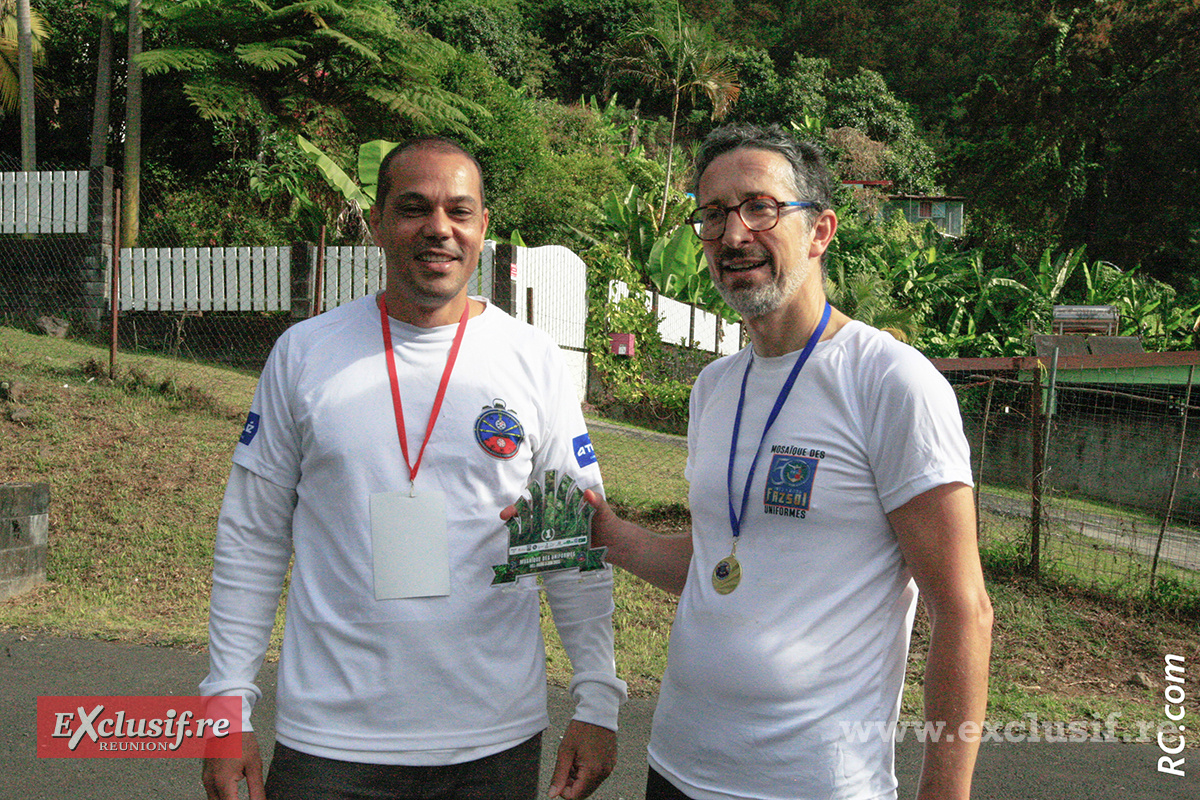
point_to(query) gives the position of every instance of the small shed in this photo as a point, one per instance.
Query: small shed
(944, 212)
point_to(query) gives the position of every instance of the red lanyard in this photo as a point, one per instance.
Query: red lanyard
(441, 392)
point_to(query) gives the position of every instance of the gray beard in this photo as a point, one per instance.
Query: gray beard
(757, 301)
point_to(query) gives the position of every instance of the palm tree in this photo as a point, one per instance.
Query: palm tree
(103, 103)
(683, 59)
(25, 80)
(21, 33)
(132, 183)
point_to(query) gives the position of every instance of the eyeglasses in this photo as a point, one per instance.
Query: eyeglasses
(756, 213)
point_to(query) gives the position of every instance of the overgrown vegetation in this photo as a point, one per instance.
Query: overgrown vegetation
(137, 466)
(1035, 115)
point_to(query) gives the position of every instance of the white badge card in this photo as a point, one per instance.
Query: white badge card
(410, 545)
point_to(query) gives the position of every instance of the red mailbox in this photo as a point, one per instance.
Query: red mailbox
(622, 344)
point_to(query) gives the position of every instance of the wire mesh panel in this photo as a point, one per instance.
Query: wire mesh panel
(1088, 475)
(1121, 482)
(53, 238)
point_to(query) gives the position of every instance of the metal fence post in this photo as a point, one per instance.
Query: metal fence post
(1041, 453)
(987, 412)
(503, 282)
(1037, 454)
(114, 302)
(1187, 402)
(302, 280)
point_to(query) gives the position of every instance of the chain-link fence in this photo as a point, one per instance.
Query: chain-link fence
(1088, 476)
(1091, 481)
(57, 256)
(193, 294)
(51, 267)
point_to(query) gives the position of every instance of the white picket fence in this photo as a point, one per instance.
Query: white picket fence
(688, 326)
(205, 279)
(44, 202)
(240, 279)
(351, 272)
(259, 279)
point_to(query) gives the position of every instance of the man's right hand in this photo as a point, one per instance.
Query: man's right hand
(604, 521)
(221, 776)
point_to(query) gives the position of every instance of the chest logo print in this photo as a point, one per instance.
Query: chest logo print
(789, 485)
(498, 431)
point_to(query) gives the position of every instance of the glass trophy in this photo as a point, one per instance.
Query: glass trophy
(551, 532)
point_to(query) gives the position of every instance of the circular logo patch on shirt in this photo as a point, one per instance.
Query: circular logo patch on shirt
(498, 431)
(792, 471)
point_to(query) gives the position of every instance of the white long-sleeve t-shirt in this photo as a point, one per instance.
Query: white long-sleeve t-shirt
(424, 680)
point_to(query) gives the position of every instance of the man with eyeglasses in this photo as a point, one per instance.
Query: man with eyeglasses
(829, 479)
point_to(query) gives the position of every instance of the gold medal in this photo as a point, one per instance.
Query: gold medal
(727, 574)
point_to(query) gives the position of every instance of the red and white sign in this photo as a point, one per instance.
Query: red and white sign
(139, 727)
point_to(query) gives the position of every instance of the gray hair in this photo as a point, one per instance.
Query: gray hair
(810, 174)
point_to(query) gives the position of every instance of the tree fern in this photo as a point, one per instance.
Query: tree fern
(177, 59)
(271, 56)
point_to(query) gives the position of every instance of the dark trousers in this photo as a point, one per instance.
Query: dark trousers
(659, 788)
(508, 775)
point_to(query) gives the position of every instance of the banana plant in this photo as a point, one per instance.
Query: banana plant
(677, 268)
(669, 258)
(361, 192)
(1046, 283)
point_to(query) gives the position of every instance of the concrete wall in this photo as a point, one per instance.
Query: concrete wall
(24, 528)
(1115, 457)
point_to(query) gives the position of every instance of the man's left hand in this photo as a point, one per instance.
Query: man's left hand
(586, 756)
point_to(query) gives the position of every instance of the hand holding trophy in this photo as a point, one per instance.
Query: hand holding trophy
(551, 531)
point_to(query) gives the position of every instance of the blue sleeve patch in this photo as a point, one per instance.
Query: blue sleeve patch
(250, 429)
(585, 454)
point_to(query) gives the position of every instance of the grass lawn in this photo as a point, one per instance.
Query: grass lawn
(137, 468)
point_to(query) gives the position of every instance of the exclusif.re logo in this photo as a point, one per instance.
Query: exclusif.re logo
(139, 727)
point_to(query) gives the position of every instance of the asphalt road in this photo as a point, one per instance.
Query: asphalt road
(31, 666)
(1180, 546)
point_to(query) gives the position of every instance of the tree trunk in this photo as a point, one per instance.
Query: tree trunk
(103, 102)
(662, 215)
(25, 85)
(131, 190)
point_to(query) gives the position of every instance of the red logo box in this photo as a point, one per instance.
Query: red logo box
(139, 727)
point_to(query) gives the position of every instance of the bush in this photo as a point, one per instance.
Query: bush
(1175, 595)
(652, 387)
(208, 216)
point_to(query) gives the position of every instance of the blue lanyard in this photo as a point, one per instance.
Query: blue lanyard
(735, 521)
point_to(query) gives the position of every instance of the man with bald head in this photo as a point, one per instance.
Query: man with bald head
(384, 438)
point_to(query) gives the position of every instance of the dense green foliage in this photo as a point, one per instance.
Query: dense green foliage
(1068, 129)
